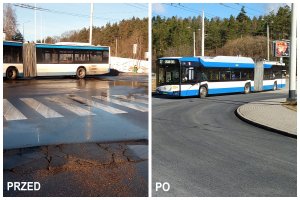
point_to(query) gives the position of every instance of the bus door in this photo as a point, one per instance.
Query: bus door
(189, 86)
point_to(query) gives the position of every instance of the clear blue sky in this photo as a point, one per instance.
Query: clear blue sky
(57, 21)
(213, 9)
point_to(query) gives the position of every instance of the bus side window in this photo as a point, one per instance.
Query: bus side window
(105, 57)
(268, 75)
(7, 54)
(202, 77)
(277, 74)
(65, 56)
(246, 75)
(213, 75)
(235, 75)
(12, 54)
(225, 75)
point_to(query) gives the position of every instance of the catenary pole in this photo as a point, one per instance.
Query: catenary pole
(202, 50)
(194, 43)
(91, 23)
(35, 23)
(293, 60)
(268, 41)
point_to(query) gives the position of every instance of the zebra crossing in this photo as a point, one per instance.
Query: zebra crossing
(79, 106)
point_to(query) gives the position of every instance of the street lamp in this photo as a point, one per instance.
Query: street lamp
(116, 51)
(194, 41)
(268, 39)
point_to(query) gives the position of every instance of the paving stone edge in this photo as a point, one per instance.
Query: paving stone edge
(240, 116)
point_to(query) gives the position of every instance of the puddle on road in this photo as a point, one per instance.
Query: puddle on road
(36, 130)
(73, 83)
(61, 86)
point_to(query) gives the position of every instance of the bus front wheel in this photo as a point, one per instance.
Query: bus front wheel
(202, 92)
(11, 73)
(247, 88)
(80, 73)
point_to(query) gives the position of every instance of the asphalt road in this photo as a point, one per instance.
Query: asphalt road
(47, 111)
(201, 148)
(77, 137)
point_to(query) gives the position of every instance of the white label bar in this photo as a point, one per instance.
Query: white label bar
(69, 106)
(126, 104)
(10, 112)
(41, 108)
(97, 105)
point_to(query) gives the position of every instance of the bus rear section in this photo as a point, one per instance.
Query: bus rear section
(274, 75)
(74, 60)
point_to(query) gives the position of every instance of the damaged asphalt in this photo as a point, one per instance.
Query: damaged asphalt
(84, 169)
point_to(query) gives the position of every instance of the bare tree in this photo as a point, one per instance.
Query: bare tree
(9, 22)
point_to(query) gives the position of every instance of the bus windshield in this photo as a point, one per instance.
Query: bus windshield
(168, 71)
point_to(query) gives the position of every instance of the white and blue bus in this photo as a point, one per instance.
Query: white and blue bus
(202, 76)
(61, 59)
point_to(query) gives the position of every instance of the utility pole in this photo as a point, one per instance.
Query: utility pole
(194, 43)
(293, 60)
(268, 41)
(116, 47)
(23, 33)
(91, 23)
(41, 29)
(199, 41)
(202, 53)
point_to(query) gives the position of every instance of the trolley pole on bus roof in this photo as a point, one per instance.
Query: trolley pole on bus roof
(91, 23)
(293, 60)
(202, 52)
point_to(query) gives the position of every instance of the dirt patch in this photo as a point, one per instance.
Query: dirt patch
(291, 107)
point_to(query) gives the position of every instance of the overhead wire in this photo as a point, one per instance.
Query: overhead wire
(27, 6)
(182, 7)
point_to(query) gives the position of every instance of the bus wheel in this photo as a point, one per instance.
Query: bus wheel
(247, 88)
(11, 73)
(275, 86)
(80, 73)
(203, 92)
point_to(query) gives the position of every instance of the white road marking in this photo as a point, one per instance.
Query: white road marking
(10, 112)
(122, 103)
(131, 98)
(145, 96)
(97, 105)
(41, 108)
(69, 106)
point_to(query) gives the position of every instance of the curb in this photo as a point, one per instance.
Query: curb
(236, 112)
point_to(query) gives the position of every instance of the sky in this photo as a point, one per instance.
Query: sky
(222, 10)
(65, 17)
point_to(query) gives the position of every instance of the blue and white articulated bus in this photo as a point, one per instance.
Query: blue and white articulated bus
(202, 76)
(61, 59)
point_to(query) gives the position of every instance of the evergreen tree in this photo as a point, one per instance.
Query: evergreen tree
(243, 23)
